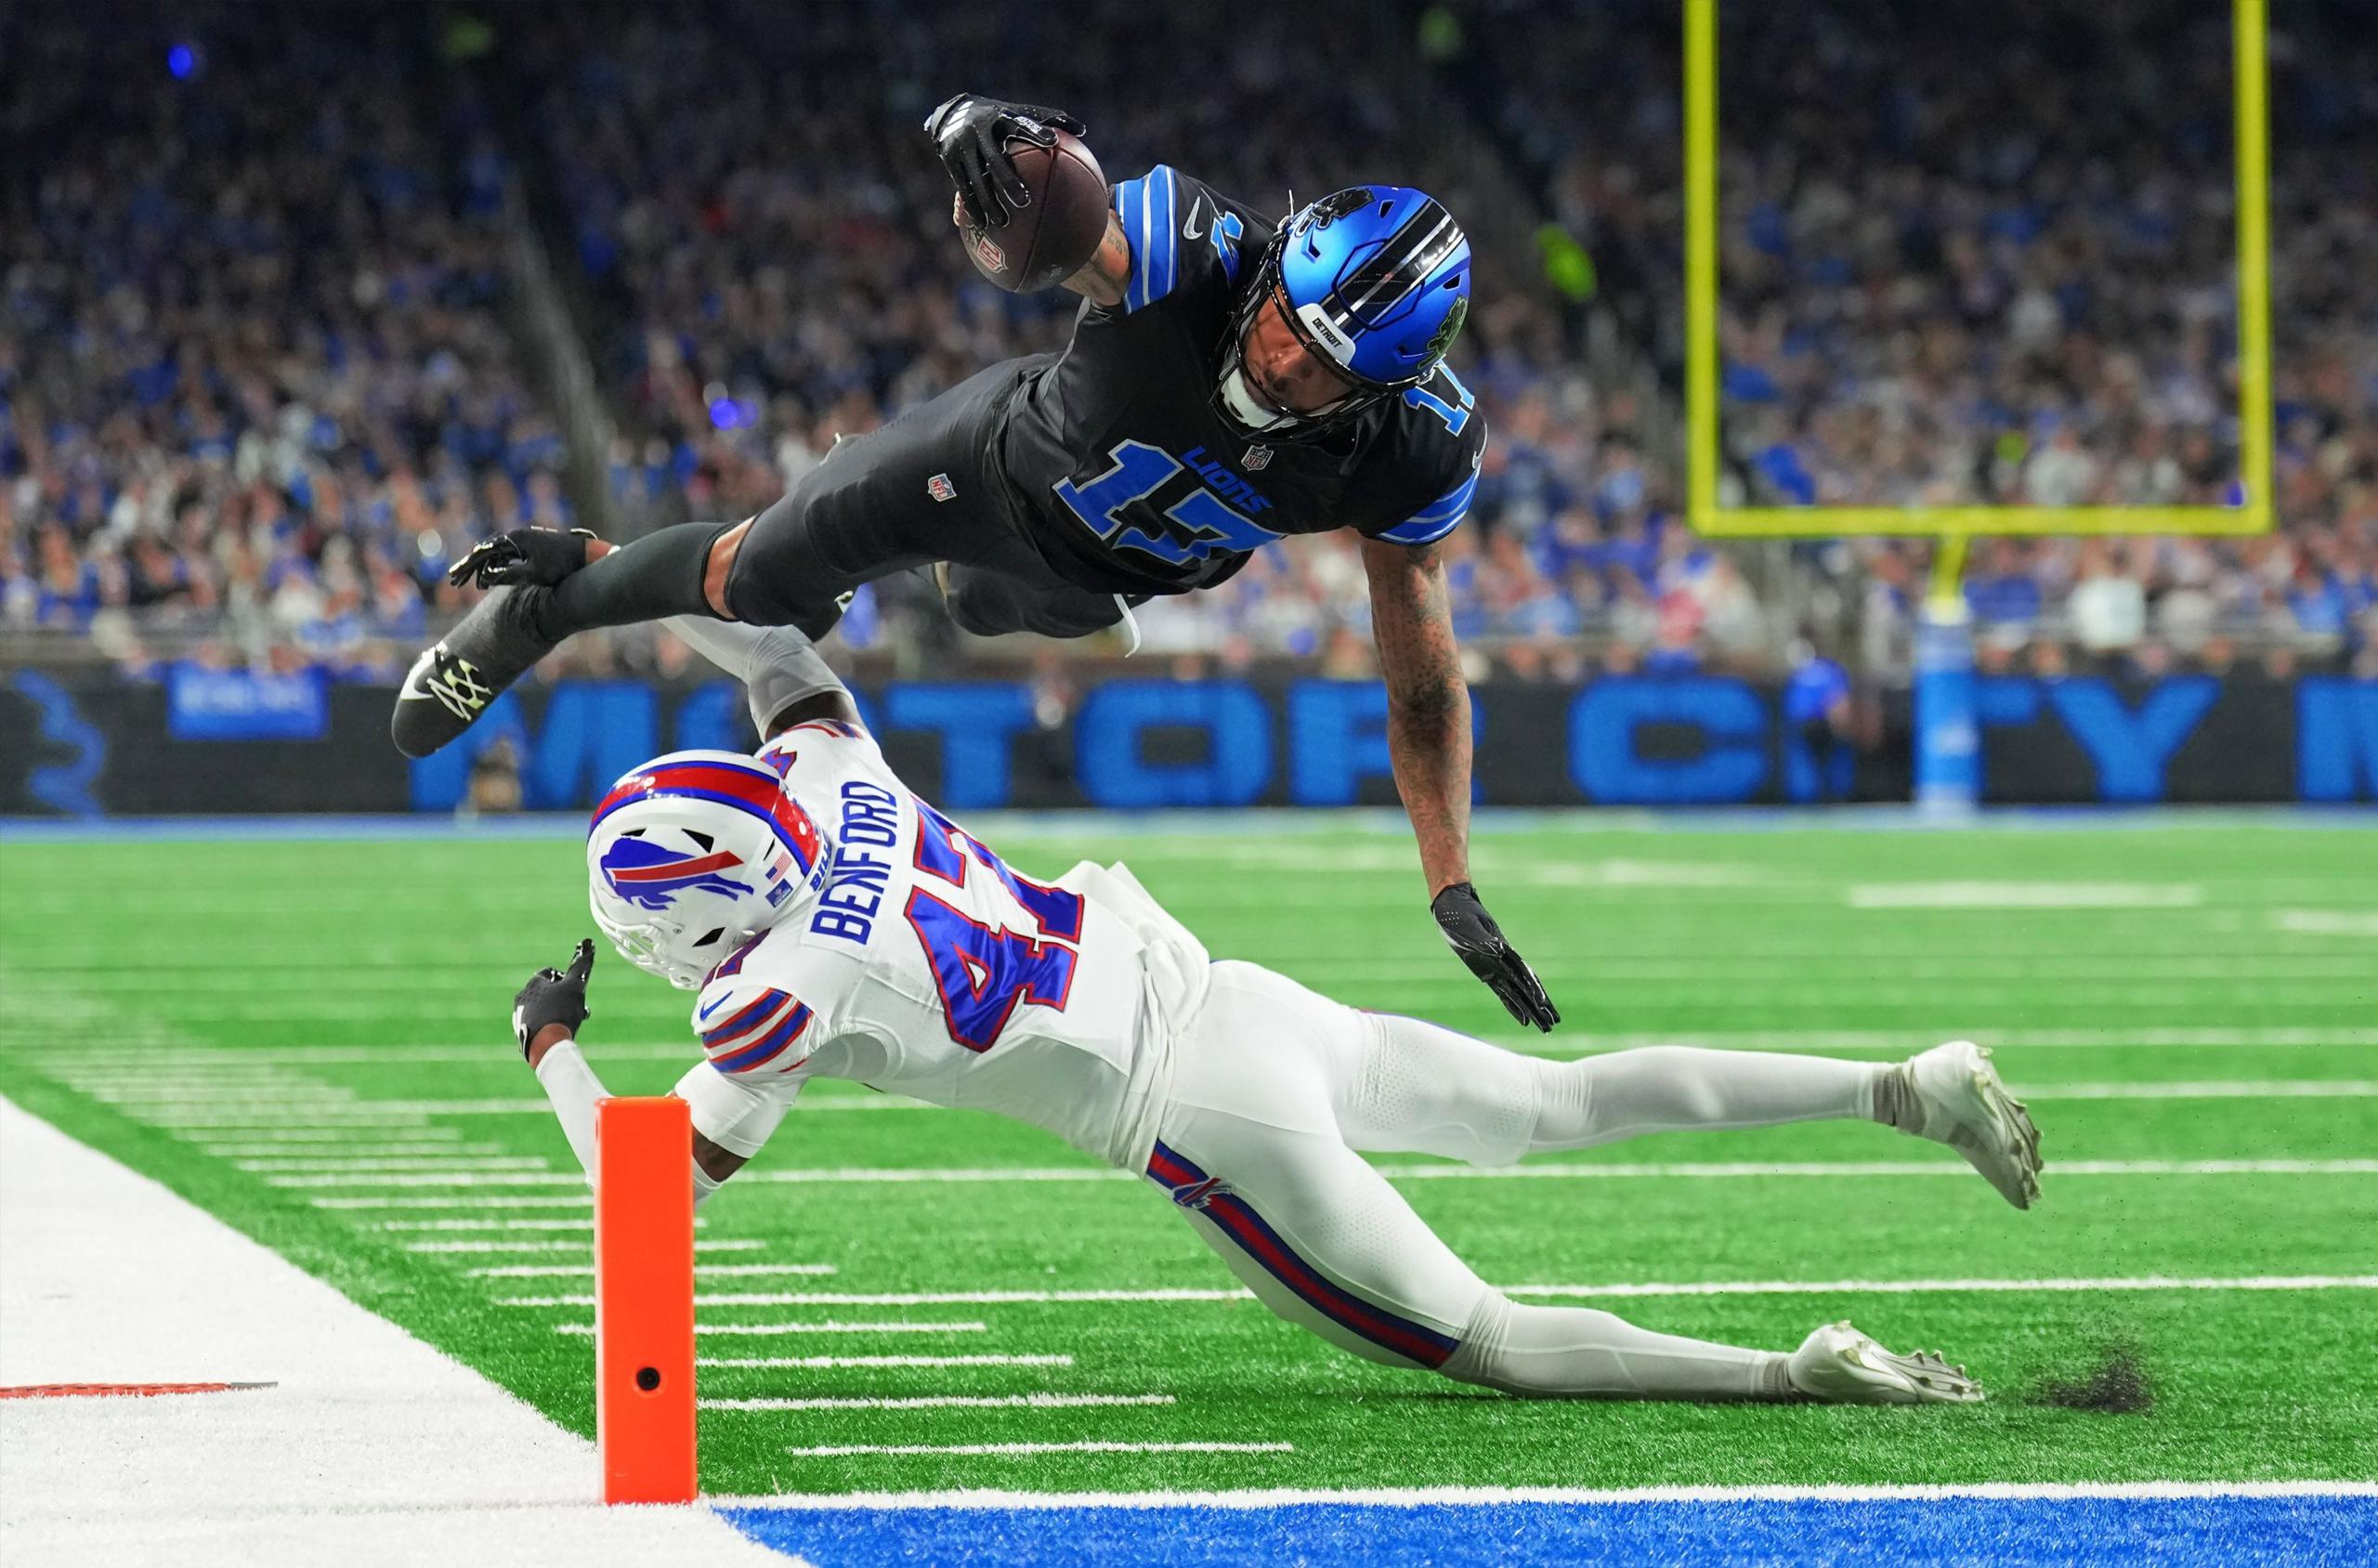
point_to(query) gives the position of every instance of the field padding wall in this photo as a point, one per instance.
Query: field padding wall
(212, 743)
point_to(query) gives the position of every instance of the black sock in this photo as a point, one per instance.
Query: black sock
(658, 575)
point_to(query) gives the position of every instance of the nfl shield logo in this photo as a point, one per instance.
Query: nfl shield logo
(940, 489)
(1256, 459)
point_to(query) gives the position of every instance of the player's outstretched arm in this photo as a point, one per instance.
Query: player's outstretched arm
(1427, 743)
(547, 1016)
(785, 679)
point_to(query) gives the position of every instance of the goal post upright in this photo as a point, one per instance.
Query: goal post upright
(1943, 633)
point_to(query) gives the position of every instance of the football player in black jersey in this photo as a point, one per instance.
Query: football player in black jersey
(1229, 382)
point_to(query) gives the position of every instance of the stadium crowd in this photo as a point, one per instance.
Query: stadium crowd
(2007, 286)
(255, 380)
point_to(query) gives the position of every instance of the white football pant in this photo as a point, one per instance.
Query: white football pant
(1277, 1094)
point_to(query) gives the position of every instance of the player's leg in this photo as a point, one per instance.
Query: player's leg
(1248, 1148)
(1323, 1241)
(1406, 1085)
(922, 489)
(1409, 1085)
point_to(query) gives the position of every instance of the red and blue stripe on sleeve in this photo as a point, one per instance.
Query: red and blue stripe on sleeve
(760, 1029)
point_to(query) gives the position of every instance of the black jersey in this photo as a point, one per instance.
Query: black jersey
(1130, 481)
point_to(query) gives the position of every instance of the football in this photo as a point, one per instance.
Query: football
(1049, 240)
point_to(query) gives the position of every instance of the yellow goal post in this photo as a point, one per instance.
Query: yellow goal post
(1955, 524)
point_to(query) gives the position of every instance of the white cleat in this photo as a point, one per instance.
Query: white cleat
(1839, 1366)
(1965, 1107)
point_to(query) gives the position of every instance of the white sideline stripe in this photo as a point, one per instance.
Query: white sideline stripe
(2238, 1088)
(989, 1498)
(579, 1246)
(1165, 1295)
(944, 1402)
(786, 1362)
(2022, 895)
(705, 1270)
(1026, 1450)
(828, 1326)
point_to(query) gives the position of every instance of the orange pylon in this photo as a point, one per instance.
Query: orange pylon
(644, 1298)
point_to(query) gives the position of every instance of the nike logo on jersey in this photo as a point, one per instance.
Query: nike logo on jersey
(714, 1007)
(1189, 231)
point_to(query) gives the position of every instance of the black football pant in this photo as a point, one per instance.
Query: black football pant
(926, 487)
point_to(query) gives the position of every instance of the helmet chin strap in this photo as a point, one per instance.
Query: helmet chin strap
(1255, 416)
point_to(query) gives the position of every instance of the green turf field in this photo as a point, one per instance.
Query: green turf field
(310, 1038)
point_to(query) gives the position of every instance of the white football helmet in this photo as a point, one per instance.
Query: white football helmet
(694, 853)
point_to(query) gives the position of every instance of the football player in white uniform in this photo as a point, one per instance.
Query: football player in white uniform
(831, 924)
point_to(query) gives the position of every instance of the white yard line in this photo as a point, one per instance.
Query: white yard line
(371, 1449)
(427, 1148)
(828, 1326)
(990, 1498)
(945, 1401)
(585, 1200)
(578, 1245)
(2232, 1089)
(1030, 1450)
(585, 1224)
(2022, 895)
(452, 1165)
(2147, 1037)
(701, 1271)
(1176, 1296)
(277, 1136)
(2327, 922)
(824, 1361)
(1553, 1172)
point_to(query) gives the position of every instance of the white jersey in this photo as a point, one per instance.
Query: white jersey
(925, 967)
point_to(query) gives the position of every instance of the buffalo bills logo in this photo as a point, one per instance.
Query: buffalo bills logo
(650, 876)
(1197, 1194)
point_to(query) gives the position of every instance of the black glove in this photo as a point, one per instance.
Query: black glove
(542, 556)
(971, 134)
(1472, 932)
(554, 995)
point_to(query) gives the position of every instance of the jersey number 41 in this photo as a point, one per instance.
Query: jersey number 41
(985, 972)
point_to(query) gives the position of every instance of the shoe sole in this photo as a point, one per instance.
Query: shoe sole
(2001, 1141)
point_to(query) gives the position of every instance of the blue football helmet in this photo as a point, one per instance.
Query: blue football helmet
(1375, 281)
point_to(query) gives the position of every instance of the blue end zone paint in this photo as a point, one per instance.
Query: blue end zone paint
(2110, 1530)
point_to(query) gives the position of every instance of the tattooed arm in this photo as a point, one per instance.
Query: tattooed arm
(1109, 270)
(1428, 740)
(1428, 703)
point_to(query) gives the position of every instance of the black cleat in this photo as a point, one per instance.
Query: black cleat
(451, 685)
